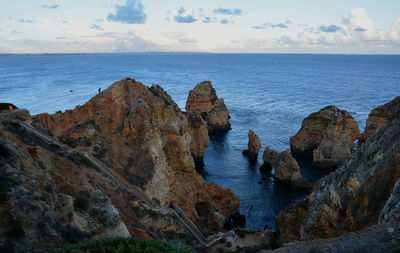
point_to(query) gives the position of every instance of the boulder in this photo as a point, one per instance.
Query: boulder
(287, 170)
(327, 136)
(200, 139)
(203, 100)
(253, 146)
(359, 193)
(379, 115)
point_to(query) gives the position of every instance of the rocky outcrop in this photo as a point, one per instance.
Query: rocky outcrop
(287, 170)
(253, 146)
(379, 115)
(354, 196)
(41, 210)
(200, 139)
(327, 136)
(378, 238)
(141, 134)
(203, 100)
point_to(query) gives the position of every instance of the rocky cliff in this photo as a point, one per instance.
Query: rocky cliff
(354, 196)
(40, 207)
(141, 134)
(203, 100)
(200, 139)
(327, 136)
(378, 116)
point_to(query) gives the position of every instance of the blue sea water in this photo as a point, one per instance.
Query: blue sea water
(269, 93)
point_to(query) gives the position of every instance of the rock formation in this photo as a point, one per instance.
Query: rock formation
(40, 209)
(141, 134)
(355, 195)
(253, 146)
(200, 139)
(327, 136)
(203, 100)
(287, 170)
(379, 115)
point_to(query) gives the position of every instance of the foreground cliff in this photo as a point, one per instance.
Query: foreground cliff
(141, 134)
(51, 195)
(354, 196)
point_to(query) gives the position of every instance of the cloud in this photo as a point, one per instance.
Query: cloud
(130, 13)
(273, 25)
(234, 12)
(55, 6)
(224, 21)
(96, 27)
(330, 29)
(360, 29)
(25, 21)
(184, 17)
(61, 38)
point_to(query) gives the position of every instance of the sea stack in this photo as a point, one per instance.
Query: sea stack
(327, 136)
(287, 170)
(253, 146)
(203, 100)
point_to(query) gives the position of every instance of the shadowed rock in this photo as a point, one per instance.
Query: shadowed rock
(287, 170)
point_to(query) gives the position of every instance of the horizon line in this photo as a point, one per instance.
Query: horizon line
(187, 52)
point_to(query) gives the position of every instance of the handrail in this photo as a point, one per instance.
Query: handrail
(125, 185)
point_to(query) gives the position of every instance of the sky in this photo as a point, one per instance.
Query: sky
(219, 26)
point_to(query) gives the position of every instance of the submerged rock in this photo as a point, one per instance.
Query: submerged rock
(354, 196)
(203, 100)
(253, 146)
(327, 136)
(287, 170)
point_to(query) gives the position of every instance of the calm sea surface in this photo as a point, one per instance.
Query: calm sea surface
(269, 93)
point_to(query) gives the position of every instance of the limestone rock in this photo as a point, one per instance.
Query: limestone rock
(327, 136)
(353, 197)
(199, 133)
(287, 170)
(142, 134)
(216, 221)
(37, 214)
(253, 146)
(203, 100)
(379, 115)
(391, 212)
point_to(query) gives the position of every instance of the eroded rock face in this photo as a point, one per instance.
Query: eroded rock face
(379, 115)
(253, 146)
(287, 170)
(327, 136)
(203, 100)
(199, 133)
(141, 134)
(38, 214)
(353, 197)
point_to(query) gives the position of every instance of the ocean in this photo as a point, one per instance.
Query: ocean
(269, 93)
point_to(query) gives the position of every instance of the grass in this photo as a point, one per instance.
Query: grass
(124, 245)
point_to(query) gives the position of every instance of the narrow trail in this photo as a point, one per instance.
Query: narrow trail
(134, 190)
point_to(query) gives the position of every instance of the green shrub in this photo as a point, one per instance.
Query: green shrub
(124, 245)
